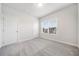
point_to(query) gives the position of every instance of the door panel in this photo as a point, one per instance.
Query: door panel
(10, 28)
(25, 29)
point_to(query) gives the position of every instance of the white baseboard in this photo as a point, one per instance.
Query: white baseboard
(46, 39)
(75, 45)
(18, 41)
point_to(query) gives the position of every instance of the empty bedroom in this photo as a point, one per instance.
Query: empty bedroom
(39, 29)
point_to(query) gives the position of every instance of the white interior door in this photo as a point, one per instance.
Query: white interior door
(10, 28)
(25, 28)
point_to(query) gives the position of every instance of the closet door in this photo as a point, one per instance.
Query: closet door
(25, 28)
(10, 30)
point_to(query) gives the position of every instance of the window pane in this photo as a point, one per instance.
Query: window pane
(49, 26)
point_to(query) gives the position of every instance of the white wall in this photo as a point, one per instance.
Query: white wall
(0, 25)
(18, 26)
(66, 29)
(78, 25)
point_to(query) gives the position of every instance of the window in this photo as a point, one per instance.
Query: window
(45, 30)
(49, 26)
(52, 30)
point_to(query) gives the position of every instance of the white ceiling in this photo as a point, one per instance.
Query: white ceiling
(35, 10)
